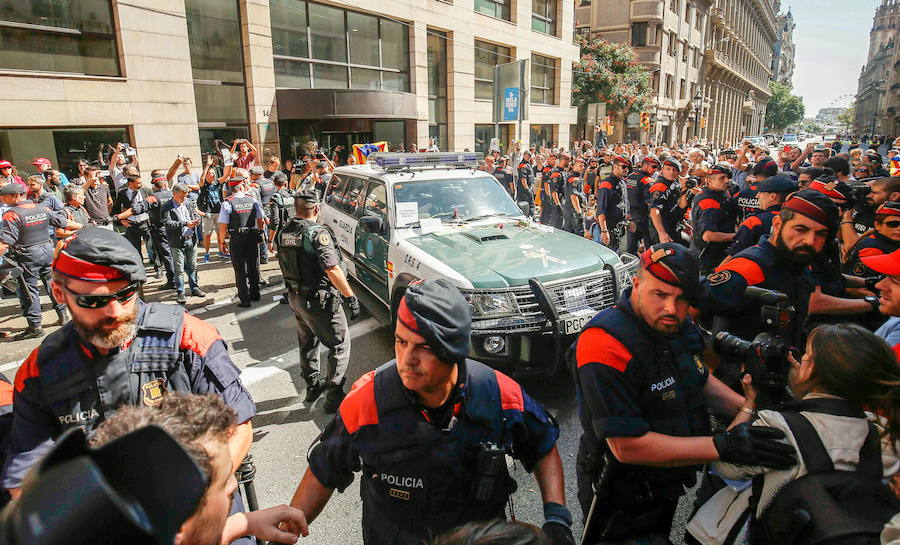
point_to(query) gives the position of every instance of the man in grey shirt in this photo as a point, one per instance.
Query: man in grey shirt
(97, 200)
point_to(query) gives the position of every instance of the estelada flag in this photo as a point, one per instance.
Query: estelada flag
(895, 166)
(362, 151)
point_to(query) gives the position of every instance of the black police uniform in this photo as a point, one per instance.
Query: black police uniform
(419, 465)
(573, 222)
(872, 245)
(632, 380)
(240, 212)
(161, 248)
(664, 196)
(747, 202)
(506, 180)
(610, 201)
(524, 183)
(638, 187)
(710, 211)
(305, 251)
(25, 230)
(546, 199)
(752, 229)
(863, 217)
(266, 188)
(139, 228)
(279, 210)
(557, 187)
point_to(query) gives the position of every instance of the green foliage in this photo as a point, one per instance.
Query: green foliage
(846, 117)
(610, 72)
(783, 108)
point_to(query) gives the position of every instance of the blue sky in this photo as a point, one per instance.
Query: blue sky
(832, 39)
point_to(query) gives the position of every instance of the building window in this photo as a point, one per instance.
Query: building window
(543, 80)
(484, 134)
(214, 37)
(584, 31)
(541, 136)
(639, 34)
(698, 21)
(494, 8)
(487, 56)
(670, 84)
(681, 88)
(672, 45)
(437, 88)
(63, 146)
(359, 51)
(654, 81)
(70, 37)
(673, 5)
(543, 16)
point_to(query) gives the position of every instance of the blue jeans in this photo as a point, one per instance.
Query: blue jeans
(185, 258)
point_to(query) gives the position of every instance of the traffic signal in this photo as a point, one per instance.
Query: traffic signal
(645, 120)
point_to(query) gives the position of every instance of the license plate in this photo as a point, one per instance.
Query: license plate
(573, 324)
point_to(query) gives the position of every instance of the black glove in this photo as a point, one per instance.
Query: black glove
(558, 524)
(750, 445)
(558, 533)
(353, 303)
(871, 281)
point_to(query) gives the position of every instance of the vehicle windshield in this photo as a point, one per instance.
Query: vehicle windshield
(789, 138)
(451, 200)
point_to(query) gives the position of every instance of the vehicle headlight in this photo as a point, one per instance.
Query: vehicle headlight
(490, 304)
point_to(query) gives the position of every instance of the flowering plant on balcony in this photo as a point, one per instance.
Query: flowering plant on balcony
(610, 72)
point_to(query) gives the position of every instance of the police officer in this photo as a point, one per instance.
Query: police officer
(611, 202)
(638, 185)
(161, 249)
(310, 263)
(547, 202)
(266, 188)
(524, 182)
(713, 219)
(747, 200)
(780, 262)
(242, 216)
(25, 235)
(429, 431)
(504, 176)
(643, 393)
(668, 202)
(557, 184)
(82, 373)
(885, 239)
(770, 194)
(573, 199)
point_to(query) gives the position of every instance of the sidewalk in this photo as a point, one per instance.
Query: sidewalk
(216, 279)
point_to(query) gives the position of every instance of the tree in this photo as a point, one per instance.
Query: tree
(846, 117)
(610, 72)
(783, 108)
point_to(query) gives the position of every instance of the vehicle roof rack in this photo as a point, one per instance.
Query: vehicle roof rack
(390, 162)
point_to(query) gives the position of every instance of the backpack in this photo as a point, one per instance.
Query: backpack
(827, 506)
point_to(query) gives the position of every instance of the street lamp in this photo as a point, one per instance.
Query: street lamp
(697, 102)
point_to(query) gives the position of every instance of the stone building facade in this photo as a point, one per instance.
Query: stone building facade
(784, 50)
(877, 88)
(170, 76)
(738, 57)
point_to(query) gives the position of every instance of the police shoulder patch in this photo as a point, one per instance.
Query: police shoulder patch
(153, 392)
(324, 238)
(717, 278)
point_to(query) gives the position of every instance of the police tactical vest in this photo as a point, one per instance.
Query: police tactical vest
(243, 212)
(614, 202)
(284, 201)
(266, 189)
(637, 196)
(297, 256)
(671, 369)
(419, 483)
(84, 392)
(34, 224)
(162, 196)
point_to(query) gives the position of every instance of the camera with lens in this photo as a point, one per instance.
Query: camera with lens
(766, 356)
(691, 182)
(299, 167)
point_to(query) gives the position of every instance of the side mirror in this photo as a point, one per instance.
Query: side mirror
(370, 224)
(525, 208)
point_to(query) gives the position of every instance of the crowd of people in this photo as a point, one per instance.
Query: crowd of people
(754, 351)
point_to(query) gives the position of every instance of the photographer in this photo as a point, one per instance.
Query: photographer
(117, 163)
(770, 194)
(779, 262)
(643, 394)
(713, 218)
(209, 201)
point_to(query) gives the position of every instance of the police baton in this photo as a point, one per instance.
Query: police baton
(593, 529)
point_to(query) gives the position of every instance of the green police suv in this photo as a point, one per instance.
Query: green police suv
(409, 216)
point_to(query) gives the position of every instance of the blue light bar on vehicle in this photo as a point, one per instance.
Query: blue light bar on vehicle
(400, 161)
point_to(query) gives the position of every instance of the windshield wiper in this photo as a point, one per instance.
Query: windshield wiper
(485, 216)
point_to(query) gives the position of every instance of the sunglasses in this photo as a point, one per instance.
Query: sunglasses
(99, 301)
(860, 170)
(893, 224)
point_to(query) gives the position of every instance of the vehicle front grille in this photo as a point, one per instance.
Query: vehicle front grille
(586, 294)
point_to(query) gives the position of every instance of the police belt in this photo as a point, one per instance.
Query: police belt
(243, 231)
(297, 287)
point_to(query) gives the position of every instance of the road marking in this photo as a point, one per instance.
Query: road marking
(250, 375)
(366, 326)
(10, 365)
